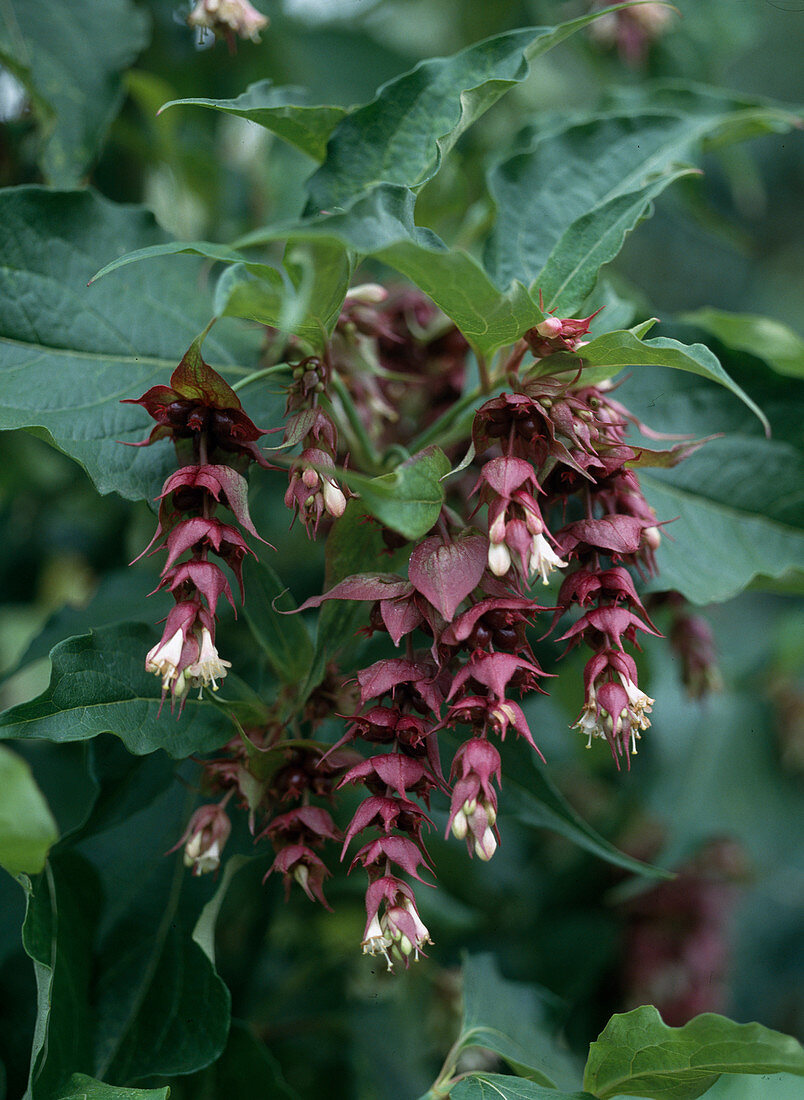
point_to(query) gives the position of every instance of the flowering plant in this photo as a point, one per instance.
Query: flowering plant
(465, 697)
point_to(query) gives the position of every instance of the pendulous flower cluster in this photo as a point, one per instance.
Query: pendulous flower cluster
(554, 492)
(204, 417)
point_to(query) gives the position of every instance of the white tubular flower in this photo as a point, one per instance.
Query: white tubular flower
(237, 16)
(589, 723)
(164, 658)
(209, 667)
(376, 941)
(543, 559)
(640, 703)
(201, 856)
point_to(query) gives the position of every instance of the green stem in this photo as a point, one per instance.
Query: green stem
(256, 375)
(372, 459)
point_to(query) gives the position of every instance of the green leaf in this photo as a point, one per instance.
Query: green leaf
(572, 269)
(616, 350)
(380, 224)
(495, 1086)
(409, 499)
(69, 354)
(736, 505)
(510, 1018)
(204, 931)
(98, 684)
(305, 299)
(161, 1007)
(567, 199)
(61, 917)
(245, 1069)
(401, 136)
(283, 637)
(637, 1054)
(537, 802)
(279, 109)
(81, 1087)
(123, 785)
(720, 541)
(765, 337)
(27, 828)
(69, 57)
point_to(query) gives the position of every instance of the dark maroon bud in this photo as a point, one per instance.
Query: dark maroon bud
(506, 637)
(480, 637)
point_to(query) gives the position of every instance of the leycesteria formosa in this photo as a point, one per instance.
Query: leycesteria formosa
(553, 497)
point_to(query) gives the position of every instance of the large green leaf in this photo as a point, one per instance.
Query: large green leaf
(98, 684)
(637, 1054)
(737, 503)
(58, 932)
(494, 1086)
(572, 268)
(720, 542)
(69, 57)
(611, 352)
(27, 828)
(161, 1007)
(69, 354)
(510, 1018)
(281, 110)
(765, 337)
(402, 135)
(81, 1087)
(568, 198)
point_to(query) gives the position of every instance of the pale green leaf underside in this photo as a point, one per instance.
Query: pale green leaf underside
(765, 337)
(27, 828)
(495, 1086)
(509, 1018)
(81, 1087)
(715, 550)
(279, 109)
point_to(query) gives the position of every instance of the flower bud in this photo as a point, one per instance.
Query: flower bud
(549, 327)
(334, 499)
(653, 537)
(499, 559)
(486, 846)
(460, 826)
